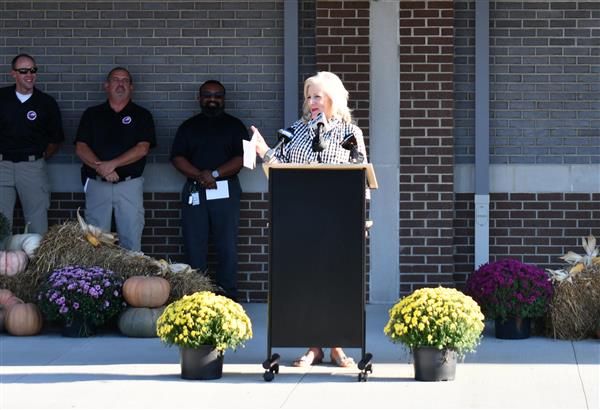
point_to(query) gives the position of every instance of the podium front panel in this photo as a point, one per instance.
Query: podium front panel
(317, 257)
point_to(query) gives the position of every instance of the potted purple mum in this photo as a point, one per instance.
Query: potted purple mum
(512, 293)
(81, 298)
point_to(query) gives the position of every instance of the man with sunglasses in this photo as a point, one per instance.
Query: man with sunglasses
(113, 140)
(31, 131)
(207, 149)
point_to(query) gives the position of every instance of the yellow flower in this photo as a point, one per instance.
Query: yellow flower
(443, 316)
(204, 318)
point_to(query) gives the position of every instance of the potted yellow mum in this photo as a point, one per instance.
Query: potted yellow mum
(438, 325)
(204, 325)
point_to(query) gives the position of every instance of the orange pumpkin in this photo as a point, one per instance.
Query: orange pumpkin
(146, 291)
(2, 315)
(23, 319)
(5, 294)
(12, 262)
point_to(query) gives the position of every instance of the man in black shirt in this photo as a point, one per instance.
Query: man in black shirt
(30, 132)
(208, 150)
(113, 140)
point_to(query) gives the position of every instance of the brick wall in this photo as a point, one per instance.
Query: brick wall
(342, 47)
(426, 143)
(534, 228)
(545, 75)
(170, 47)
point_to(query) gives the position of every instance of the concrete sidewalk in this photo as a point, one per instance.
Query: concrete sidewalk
(112, 371)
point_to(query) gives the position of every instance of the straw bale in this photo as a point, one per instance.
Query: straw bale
(64, 245)
(575, 306)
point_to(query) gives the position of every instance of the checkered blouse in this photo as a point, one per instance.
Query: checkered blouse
(299, 149)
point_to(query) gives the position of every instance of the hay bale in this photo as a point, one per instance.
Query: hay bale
(575, 306)
(64, 245)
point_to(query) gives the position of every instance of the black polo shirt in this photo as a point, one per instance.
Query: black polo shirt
(208, 142)
(27, 128)
(110, 134)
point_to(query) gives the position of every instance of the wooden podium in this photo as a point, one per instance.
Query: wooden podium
(317, 255)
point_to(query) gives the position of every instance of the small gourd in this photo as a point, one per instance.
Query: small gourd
(146, 291)
(139, 322)
(12, 262)
(23, 319)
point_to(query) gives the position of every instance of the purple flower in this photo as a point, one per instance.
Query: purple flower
(510, 288)
(93, 291)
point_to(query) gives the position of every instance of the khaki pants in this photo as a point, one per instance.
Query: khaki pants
(126, 199)
(29, 180)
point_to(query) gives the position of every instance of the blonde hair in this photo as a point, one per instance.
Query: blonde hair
(332, 87)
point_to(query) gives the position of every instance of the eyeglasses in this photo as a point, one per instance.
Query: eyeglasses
(31, 70)
(208, 95)
(120, 80)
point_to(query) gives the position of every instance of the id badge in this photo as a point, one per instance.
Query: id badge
(194, 199)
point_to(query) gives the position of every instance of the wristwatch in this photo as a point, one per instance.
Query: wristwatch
(215, 174)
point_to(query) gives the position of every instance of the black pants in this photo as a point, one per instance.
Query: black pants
(221, 218)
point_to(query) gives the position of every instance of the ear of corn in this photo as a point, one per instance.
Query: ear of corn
(92, 239)
(93, 234)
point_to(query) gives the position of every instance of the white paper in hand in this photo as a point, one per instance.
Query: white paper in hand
(222, 191)
(250, 152)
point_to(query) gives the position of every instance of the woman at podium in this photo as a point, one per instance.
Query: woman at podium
(324, 134)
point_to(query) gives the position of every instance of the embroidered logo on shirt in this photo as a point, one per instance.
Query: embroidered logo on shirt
(31, 115)
(126, 120)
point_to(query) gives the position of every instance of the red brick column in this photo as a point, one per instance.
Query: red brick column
(426, 143)
(342, 47)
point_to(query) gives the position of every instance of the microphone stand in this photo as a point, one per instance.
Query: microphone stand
(317, 143)
(284, 137)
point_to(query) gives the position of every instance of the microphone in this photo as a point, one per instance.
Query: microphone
(318, 125)
(349, 143)
(284, 136)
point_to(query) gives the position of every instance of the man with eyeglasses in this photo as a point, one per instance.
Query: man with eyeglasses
(31, 131)
(113, 140)
(207, 149)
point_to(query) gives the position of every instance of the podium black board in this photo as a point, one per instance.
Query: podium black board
(317, 255)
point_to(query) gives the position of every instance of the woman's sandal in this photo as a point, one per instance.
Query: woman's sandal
(307, 360)
(343, 361)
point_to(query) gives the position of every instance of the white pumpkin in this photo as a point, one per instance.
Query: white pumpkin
(31, 243)
(27, 242)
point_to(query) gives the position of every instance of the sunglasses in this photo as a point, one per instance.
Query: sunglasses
(208, 95)
(31, 70)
